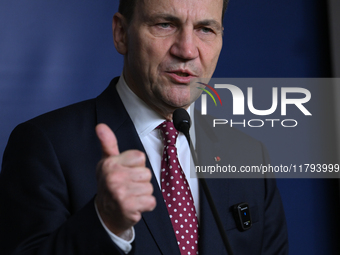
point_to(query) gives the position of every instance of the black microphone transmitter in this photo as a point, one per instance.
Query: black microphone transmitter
(242, 216)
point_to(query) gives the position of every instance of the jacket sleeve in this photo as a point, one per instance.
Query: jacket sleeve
(36, 211)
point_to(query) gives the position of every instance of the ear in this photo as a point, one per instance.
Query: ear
(119, 31)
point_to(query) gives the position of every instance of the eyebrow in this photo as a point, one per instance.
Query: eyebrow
(210, 22)
(168, 17)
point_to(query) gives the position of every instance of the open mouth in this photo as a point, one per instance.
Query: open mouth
(181, 74)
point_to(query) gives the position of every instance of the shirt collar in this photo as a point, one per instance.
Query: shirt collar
(142, 116)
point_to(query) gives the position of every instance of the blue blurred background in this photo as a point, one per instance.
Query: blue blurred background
(54, 53)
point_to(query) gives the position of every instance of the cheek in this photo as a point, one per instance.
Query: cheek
(149, 57)
(153, 48)
(209, 57)
(157, 49)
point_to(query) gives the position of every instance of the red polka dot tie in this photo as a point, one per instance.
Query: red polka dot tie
(177, 194)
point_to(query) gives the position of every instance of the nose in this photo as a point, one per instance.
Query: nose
(185, 45)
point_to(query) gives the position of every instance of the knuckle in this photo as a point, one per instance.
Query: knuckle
(119, 193)
(137, 154)
(149, 188)
(110, 164)
(136, 217)
(149, 203)
(152, 202)
(134, 155)
(148, 174)
(142, 174)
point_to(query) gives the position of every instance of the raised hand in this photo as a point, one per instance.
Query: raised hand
(124, 188)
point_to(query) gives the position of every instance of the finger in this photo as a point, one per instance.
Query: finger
(139, 189)
(145, 203)
(139, 205)
(140, 174)
(132, 158)
(108, 140)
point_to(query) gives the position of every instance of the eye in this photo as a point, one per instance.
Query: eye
(206, 30)
(164, 25)
(206, 33)
(162, 28)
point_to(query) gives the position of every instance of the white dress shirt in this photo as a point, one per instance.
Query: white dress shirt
(145, 121)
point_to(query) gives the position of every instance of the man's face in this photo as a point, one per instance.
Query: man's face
(169, 42)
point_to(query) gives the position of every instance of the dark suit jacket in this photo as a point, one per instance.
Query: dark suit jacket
(47, 186)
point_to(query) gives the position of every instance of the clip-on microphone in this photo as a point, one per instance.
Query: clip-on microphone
(182, 123)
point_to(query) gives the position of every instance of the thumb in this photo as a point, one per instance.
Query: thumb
(108, 140)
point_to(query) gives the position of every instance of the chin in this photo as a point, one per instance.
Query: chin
(179, 103)
(174, 97)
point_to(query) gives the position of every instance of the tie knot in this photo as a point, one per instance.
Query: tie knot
(169, 133)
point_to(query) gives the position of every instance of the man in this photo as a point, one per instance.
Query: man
(53, 203)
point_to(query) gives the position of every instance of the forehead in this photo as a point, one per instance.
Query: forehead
(193, 10)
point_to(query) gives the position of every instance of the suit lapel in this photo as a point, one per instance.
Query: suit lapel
(207, 149)
(110, 110)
